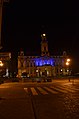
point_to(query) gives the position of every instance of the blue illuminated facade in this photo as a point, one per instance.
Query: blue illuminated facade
(41, 61)
(43, 65)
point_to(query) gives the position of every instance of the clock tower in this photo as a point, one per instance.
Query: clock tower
(44, 46)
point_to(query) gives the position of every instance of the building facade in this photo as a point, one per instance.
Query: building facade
(43, 65)
(5, 64)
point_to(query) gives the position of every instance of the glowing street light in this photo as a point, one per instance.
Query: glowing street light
(67, 63)
(68, 60)
(44, 34)
(1, 64)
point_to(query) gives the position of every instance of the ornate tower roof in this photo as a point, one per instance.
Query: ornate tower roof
(21, 52)
(44, 45)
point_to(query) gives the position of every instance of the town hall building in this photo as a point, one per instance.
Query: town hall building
(43, 65)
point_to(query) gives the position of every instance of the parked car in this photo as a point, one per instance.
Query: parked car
(15, 80)
(49, 80)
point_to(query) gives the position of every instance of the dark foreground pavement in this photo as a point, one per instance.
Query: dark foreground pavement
(59, 100)
(15, 106)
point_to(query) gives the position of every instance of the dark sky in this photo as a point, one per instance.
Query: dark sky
(23, 23)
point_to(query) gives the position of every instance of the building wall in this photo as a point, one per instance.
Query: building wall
(28, 64)
(5, 58)
(44, 65)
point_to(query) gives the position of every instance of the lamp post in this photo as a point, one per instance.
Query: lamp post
(1, 67)
(1, 63)
(68, 64)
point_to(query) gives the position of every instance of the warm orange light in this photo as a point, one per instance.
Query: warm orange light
(68, 60)
(1, 64)
(44, 34)
(67, 63)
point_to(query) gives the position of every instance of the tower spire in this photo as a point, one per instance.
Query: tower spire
(44, 45)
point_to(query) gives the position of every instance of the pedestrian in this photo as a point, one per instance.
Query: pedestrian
(69, 79)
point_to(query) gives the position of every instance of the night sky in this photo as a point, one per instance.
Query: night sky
(23, 23)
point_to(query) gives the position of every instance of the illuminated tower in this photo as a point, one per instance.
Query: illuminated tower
(1, 6)
(44, 46)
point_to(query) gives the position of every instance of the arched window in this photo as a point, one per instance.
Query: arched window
(27, 64)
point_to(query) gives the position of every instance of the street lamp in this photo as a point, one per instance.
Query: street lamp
(1, 67)
(68, 64)
(1, 63)
(68, 60)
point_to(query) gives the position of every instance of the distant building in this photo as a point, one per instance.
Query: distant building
(5, 64)
(44, 65)
(5, 57)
